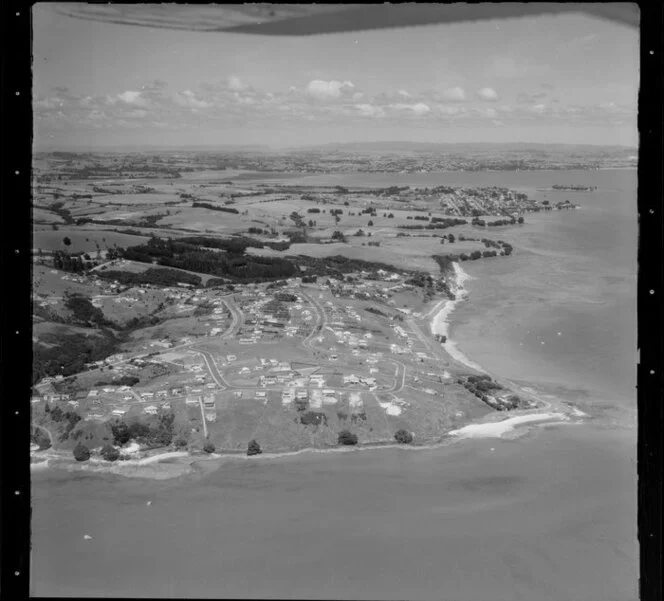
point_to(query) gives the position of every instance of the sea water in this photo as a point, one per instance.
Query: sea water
(560, 314)
(548, 518)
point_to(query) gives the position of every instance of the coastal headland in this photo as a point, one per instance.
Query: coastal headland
(295, 314)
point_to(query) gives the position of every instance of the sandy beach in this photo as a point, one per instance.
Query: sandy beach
(499, 428)
(441, 321)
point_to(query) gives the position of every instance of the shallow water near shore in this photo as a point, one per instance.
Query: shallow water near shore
(547, 517)
(551, 516)
(561, 314)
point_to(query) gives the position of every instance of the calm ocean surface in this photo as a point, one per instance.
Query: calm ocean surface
(548, 517)
(562, 314)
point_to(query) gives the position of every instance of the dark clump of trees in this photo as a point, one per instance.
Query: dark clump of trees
(444, 262)
(122, 381)
(207, 205)
(309, 279)
(232, 245)
(286, 297)
(70, 353)
(296, 236)
(81, 452)
(282, 245)
(110, 453)
(154, 276)
(347, 438)
(232, 263)
(209, 447)
(214, 283)
(403, 436)
(336, 265)
(313, 210)
(203, 309)
(84, 311)
(313, 418)
(337, 235)
(155, 435)
(40, 438)
(67, 262)
(253, 448)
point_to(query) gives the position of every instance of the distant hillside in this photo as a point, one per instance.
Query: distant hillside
(45, 149)
(428, 147)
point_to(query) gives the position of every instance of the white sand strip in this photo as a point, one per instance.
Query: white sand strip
(440, 323)
(497, 429)
(155, 458)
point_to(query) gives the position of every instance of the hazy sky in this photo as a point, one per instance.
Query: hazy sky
(559, 79)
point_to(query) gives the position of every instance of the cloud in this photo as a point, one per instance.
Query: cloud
(245, 99)
(485, 112)
(137, 113)
(97, 115)
(49, 103)
(403, 94)
(454, 95)
(189, 99)
(451, 110)
(133, 98)
(154, 86)
(369, 110)
(318, 88)
(487, 94)
(418, 109)
(530, 97)
(236, 84)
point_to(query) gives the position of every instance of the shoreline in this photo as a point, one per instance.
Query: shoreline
(440, 324)
(173, 464)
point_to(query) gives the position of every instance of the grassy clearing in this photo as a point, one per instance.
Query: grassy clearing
(83, 240)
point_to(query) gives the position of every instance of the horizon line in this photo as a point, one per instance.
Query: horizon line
(120, 147)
